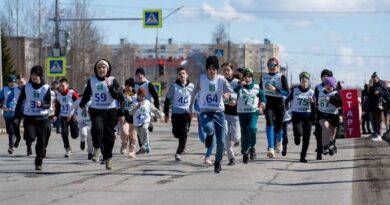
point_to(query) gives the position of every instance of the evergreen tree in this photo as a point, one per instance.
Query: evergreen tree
(7, 60)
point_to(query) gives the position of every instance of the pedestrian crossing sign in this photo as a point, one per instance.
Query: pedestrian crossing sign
(56, 66)
(152, 18)
(218, 52)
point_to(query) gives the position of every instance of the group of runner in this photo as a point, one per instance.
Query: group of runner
(227, 107)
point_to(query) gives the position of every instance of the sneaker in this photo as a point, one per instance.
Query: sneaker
(373, 135)
(319, 156)
(147, 148)
(96, 154)
(232, 162)
(123, 148)
(297, 140)
(90, 156)
(252, 153)
(326, 150)
(278, 147)
(237, 144)
(217, 167)
(131, 154)
(109, 164)
(209, 141)
(29, 150)
(177, 157)
(270, 153)
(335, 149)
(82, 145)
(378, 138)
(141, 150)
(284, 151)
(38, 167)
(16, 144)
(10, 150)
(331, 150)
(245, 158)
(303, 160)
(103, 161)
(207, 161)
(68, 152)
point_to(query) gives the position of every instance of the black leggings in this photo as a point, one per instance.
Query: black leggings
(37, 129)
(74, 130)
(103, 129)
(274, 117)
(302, 128)
(180, 128)
(366, 123)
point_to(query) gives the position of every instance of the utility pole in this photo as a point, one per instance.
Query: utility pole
(56, 51)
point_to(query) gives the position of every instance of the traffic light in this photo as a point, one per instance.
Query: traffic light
(161, 67)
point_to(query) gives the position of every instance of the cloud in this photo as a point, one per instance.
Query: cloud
(347, 57)
(300, 24)
(370, 39)
(334, 37)
(282, 51)
(229, 12)
(252, 40)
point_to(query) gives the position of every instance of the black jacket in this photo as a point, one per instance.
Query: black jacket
(374, 100)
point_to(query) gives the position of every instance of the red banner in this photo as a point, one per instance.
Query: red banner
(351, 113)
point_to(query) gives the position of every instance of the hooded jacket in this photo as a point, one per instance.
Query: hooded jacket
(114, 89)
(38, 70)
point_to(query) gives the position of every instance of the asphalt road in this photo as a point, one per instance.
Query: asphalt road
(358, 174)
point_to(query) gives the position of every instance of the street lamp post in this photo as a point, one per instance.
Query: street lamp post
(228, 22)
(228, 28)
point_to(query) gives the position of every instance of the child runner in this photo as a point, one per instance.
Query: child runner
(179, 95)
(286, 121)
(301, 99)
(317, 132)
(275, 87)
(8, 110)
(141, 109)
(11, 101)
(213, 89)
(248, 112)
(84, 123)
(202, 135)
(151, 94)
(232, 126)
(54, 91)
(329, 114)
(35, 97)
(102, 89)
(64, 109)
(128, 134)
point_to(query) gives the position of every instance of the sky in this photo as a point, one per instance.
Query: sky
(349, 37)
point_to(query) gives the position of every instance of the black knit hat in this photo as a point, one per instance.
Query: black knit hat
(38, 70)
(327, 73)
(140, 70)
(374, 75)
(130, 82)
(212, 61)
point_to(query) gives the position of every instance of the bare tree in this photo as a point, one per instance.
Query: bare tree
(219, 34)
(85, 41)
